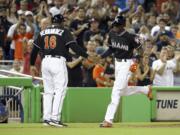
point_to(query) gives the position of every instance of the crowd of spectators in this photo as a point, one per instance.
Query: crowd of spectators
(90, 21)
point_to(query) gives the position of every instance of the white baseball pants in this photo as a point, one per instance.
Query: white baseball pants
(121, 88)
(55, 79)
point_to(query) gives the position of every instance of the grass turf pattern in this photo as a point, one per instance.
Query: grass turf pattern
(155, 128)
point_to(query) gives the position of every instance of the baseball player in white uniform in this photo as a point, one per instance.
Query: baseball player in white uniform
(122, 45)
(54, 43)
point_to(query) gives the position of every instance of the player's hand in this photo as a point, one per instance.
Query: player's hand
(92, 59)
(92, 55)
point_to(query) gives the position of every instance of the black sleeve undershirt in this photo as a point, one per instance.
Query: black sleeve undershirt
(78, 50)
(34, 54)
(108, 52)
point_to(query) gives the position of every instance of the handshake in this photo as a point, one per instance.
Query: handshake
(94, 58)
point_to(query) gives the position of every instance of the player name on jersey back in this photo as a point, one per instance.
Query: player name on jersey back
(52, 31)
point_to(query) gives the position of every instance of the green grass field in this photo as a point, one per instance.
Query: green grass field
(172, 128)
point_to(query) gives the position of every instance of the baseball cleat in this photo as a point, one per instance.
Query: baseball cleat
(150, 95)
(46, 122)
(57, 123)
(105, 124)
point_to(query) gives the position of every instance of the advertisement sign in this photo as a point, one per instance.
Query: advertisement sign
(168, 105)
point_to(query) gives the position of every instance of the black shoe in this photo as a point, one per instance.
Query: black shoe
(64, 125)
(46, 122)
(57, 123)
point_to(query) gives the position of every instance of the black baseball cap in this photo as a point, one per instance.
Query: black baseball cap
(119, 20)
(58, 18)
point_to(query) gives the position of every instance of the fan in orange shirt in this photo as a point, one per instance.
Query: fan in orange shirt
(19, 37)
(102, 80)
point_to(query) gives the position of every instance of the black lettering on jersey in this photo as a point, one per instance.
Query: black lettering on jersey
(54, 31)
(120, 46)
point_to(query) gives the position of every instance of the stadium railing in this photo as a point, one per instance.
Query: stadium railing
(30, 94)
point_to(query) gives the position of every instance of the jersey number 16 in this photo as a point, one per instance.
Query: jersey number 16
(50, 42)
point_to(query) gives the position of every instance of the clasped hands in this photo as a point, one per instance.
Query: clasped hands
(94, 58)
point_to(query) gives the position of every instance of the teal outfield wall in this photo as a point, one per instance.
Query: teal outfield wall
(90, 104)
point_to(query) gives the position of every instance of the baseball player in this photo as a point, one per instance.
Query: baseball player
(121, 44)
(54, 43)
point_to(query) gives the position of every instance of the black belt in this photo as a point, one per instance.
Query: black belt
(122, 60)
(54, 56)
